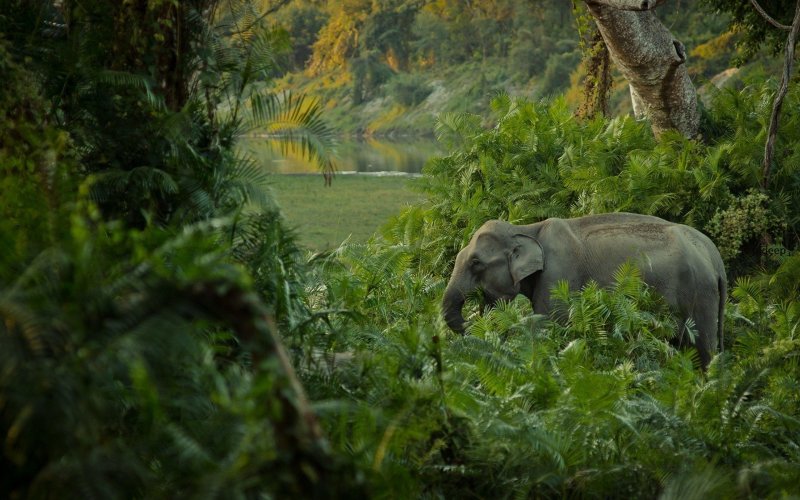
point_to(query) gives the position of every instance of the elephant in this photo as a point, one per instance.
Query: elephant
(678, 261)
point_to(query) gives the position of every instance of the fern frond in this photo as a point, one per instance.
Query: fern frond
(456, 128)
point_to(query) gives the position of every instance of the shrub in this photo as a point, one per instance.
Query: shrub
(747, 218)
(408, 89)
(557, 71)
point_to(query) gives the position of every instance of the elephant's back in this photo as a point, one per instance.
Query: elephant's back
(622, 235)
(698, 242)
(617, 218)
(621, 225)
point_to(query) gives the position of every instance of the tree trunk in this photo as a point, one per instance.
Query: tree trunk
(651, 60)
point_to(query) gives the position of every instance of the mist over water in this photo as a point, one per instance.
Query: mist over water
(371, 156)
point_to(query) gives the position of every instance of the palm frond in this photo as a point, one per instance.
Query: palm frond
(124, 79)
(296, 121)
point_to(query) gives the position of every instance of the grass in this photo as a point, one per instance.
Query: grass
(354, 207)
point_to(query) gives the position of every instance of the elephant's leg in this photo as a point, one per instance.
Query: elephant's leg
(538, 292)
(540, 305)
(706, 317)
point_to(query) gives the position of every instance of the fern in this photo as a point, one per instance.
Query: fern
(456, 128)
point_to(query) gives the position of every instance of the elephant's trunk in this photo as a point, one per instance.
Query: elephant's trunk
(452, 305)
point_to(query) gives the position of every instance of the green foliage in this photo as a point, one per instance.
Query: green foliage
(144, 268)
(466, 50)
(32, 178)
(154, 100)
(557, 72)
(746, 219)
(137, 341)
(119, 378)
(594, 402)
(408, 90)
(627, 322)
(430, 39)
(369, 73)
(756, 31)
(303, 22)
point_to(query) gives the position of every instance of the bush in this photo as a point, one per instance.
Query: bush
(408, 89)
(557, 71)
(747, 219)
(528, 56)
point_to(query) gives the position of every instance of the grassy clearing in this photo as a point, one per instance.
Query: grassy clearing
(355, 206)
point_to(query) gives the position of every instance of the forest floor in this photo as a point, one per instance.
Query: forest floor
(353, 208)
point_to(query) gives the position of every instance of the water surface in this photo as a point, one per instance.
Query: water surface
(373, 156)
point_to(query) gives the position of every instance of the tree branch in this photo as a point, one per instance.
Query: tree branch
(769, 148)
(768, 18)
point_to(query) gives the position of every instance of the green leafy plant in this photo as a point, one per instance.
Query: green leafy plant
(747, 218)
(408, 90)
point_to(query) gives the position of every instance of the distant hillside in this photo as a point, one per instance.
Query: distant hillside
(387, 67)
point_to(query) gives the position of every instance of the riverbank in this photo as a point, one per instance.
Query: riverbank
(352, 209)
(407, 106)
(409, 111)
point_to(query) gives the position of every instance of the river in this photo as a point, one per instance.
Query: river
(368, 156)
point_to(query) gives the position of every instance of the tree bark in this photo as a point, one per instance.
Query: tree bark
(652, 61)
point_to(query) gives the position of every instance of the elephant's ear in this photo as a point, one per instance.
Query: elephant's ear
(526, 257)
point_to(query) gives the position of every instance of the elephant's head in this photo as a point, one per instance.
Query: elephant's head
(498, 257)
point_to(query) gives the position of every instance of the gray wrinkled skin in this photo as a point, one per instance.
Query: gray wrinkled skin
(678, 261)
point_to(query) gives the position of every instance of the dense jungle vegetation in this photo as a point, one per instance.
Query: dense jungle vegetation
(389, 67)
(163, 335)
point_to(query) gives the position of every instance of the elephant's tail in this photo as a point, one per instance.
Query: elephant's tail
(722, 288)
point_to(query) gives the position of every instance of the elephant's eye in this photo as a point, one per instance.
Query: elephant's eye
(475, 263)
